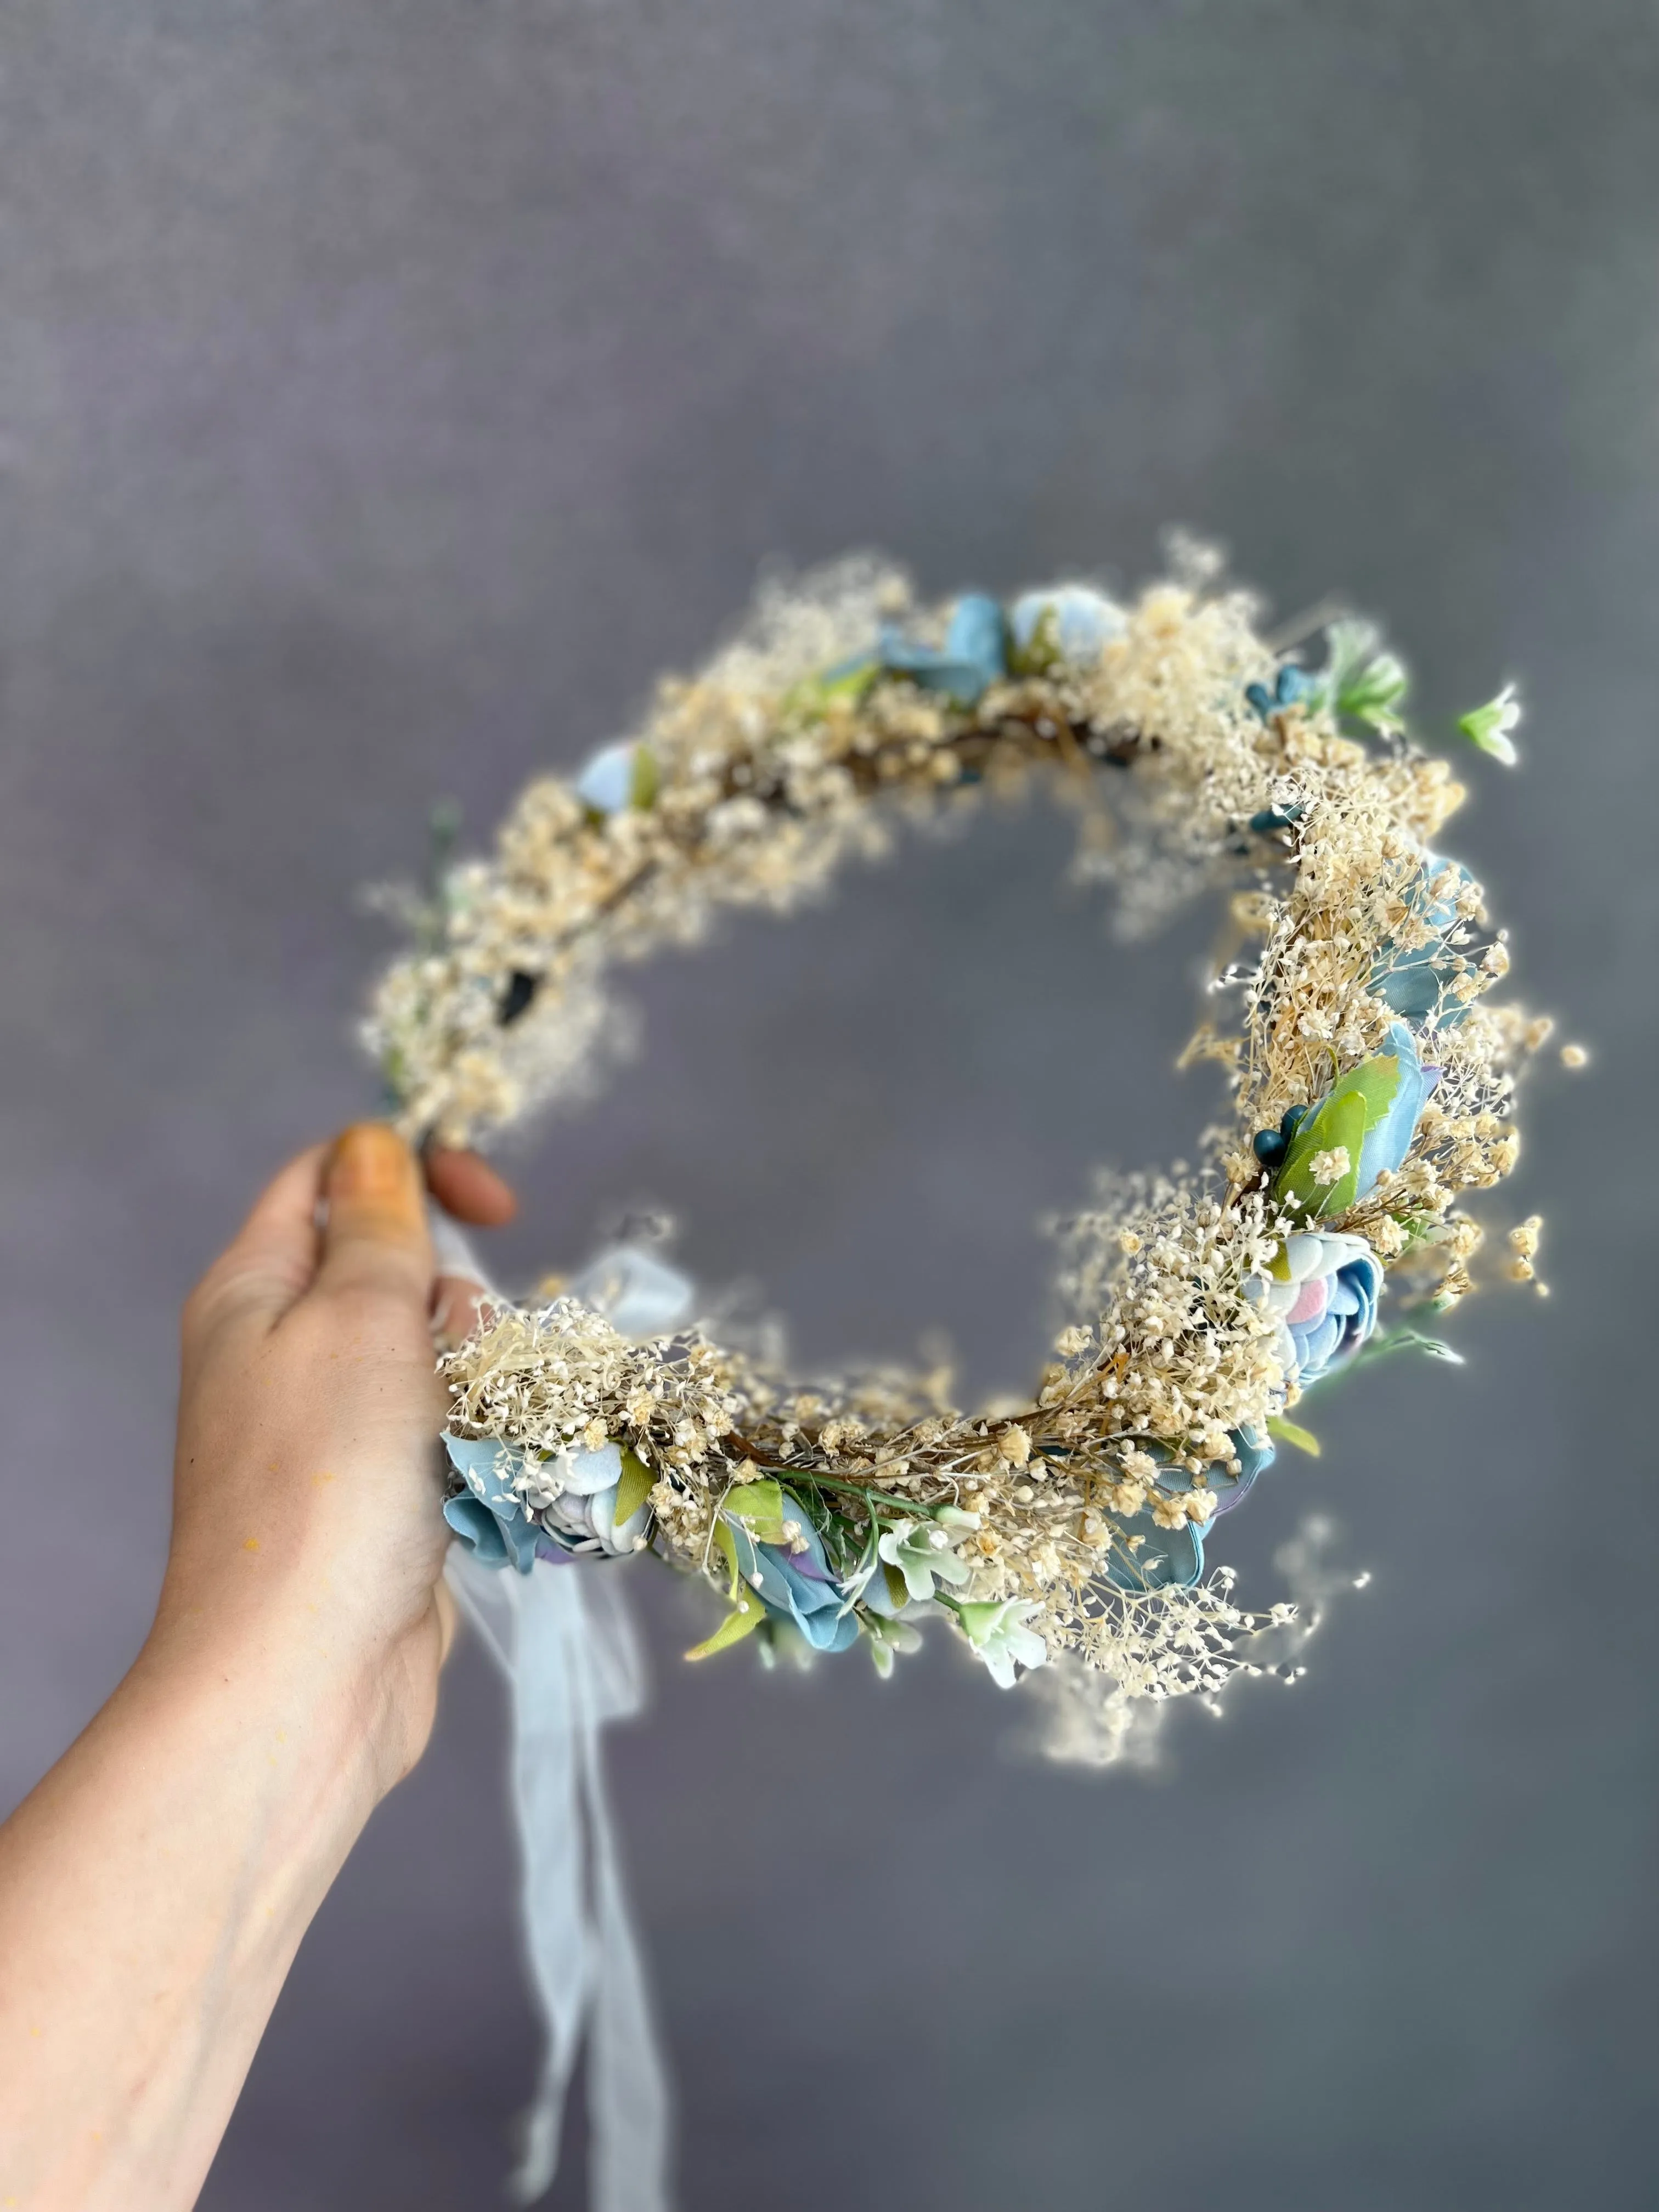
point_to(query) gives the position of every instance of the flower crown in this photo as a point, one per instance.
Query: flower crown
(1371, 1083)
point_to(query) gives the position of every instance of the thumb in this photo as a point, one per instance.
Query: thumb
(374, 1237)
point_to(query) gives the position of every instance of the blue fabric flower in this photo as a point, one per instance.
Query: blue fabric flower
(1364, 1125)
(975, 652)
(1173, 1558)
(1254, 1452)
(490, 1518)
(1289, 684)
(1388, 1139)
(619, 777)
(1165, 1559)
(1325, 1303)
(796, 1586)
(580, 1521)
(1415, 984)
(1079, 621)
(635, 1292)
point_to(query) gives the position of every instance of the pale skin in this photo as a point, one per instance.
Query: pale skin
(155, 1886)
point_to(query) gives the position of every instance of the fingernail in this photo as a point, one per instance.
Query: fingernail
(371, 1162)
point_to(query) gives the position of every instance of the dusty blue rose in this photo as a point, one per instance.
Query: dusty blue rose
(1414, 983)
(796, 1586)
(491, 1520)
(1372, 1113)
(582, 1519)
(1173, 1558)
(488, 1519)
(975, 652)
(1079, 621)
(1326, 1308)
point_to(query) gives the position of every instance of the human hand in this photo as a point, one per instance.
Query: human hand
(155, 1884)
(308, 1537)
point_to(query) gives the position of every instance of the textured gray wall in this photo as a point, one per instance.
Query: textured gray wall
(389, 389)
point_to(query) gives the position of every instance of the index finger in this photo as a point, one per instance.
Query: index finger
(468, 1188)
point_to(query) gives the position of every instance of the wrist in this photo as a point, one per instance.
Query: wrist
(258, 1692)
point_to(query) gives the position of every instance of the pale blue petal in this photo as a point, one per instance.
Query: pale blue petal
(478, 1529)
(1083, 620)
(978, 634)
(486, 1465)
(1388, 1143)
(1413, 983)
(1254, 1453)
(796, 1587)
(635, 1291)
(493, 1536)
(607, 784)
(975, 652)
(1171, 1559)
(586, 1471)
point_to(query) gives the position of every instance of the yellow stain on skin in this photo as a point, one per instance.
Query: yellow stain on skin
(251, 1544)
(323, 1477)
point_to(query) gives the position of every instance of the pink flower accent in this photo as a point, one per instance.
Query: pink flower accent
(1310, 1305)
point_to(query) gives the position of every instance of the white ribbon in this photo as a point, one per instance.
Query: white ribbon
(562, 1637)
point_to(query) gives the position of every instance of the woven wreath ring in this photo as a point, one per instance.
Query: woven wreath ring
(1372, 1082)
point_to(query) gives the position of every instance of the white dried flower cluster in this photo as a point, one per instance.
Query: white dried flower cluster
(1370, 1085)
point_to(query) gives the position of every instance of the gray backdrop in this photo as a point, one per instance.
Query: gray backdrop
(389, 389)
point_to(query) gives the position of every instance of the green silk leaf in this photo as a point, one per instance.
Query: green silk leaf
(633, 1485)
(1289, 1432)
(1040, 654)
(759, 1506)
(1356, 1103)
(1340, 1121)
(814, 693)
(646, 777)
(728, 1544)
(733, 1629)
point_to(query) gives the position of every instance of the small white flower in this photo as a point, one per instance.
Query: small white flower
(998, 1634)
(922, 1551)
(1488, 727)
